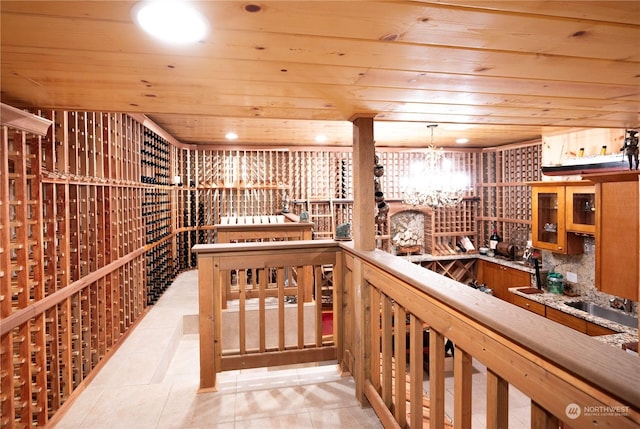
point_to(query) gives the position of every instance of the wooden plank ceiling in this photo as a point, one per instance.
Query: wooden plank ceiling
(495, 72)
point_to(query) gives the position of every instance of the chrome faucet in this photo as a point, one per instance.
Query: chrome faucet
(621, 304)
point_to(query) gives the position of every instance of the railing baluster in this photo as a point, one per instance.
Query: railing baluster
(462, 381)
(376, 328)
(387, 335)
(262, 294)
(416, 392)
(436, 379)
(242, 311)
(497, 401)
(303, 280)
(541, 418)
(400, 349)
(280, 279)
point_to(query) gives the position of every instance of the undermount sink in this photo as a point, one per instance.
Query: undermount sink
(605, 313)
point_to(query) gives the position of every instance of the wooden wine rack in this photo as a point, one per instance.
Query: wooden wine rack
(72, 250)
(94, 227)
(505, 198)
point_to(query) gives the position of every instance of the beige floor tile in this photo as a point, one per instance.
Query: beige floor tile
(336, 394)
(348, 417)
(208, 409)
(127, 407)
(291, 421)
(269, 403)
(79, 409)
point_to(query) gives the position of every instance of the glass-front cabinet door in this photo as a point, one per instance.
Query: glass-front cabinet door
(552, 212)
(548, 217)
(581, 209)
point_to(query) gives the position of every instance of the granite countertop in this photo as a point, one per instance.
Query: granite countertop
(518, 265)
(625, 334)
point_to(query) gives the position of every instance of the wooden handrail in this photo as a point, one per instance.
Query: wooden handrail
(556, 367)
(534, 354)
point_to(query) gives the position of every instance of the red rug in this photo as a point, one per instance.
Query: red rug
(327, 323)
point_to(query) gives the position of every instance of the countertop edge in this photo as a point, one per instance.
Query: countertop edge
(624, 333)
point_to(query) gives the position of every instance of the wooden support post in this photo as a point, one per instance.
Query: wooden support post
(462, 373)
(361, 333)
(206, 302)
(497, 402)
(364, 232)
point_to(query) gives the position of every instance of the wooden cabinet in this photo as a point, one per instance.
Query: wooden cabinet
(580, 213)
(594, 330)
(553, 217)
(527, 304)
(617, 233)
(500, 278)
(566, 319)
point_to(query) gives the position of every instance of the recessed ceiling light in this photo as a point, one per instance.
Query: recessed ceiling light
(172, 21)
(321, 138)
(462, 140)
(231, 135)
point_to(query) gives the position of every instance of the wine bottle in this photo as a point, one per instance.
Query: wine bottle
(494, 239)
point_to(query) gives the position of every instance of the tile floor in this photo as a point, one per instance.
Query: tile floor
(152, 381)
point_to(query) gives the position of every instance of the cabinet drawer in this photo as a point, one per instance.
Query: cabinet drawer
(595, 330)
(567, 320)
(525, 303)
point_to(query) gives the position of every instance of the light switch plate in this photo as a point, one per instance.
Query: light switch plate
(572, 277)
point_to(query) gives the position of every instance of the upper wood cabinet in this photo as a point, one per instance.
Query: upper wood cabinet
(617, 233)
(557, 215)
(581, 209)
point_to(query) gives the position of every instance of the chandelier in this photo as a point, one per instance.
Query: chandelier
(432, 182)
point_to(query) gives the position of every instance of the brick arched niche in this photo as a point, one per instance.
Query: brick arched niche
(407, 228)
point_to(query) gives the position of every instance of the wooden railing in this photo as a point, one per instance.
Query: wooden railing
(279, 275)
(570, 378)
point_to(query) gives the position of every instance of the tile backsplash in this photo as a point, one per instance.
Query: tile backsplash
(584, 266)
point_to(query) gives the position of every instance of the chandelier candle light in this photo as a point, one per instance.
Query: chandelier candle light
(432, 182)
